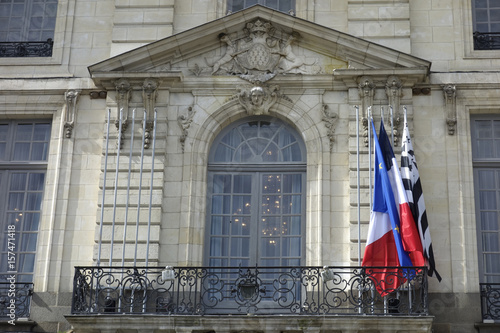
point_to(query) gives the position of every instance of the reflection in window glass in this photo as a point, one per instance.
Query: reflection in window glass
(267, 207)
(24, 153)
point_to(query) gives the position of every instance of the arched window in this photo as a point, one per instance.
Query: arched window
(256, 195)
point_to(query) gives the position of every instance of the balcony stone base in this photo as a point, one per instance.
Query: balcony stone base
(248, 324)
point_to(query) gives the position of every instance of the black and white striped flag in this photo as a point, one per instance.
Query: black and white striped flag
(413, 187)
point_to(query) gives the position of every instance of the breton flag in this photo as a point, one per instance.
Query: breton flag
(384, 246)
(413, 187)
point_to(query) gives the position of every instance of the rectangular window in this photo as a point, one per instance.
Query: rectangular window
(27, 27)
(486, 20)
(23, 165)
(485, 134)
(286, 6)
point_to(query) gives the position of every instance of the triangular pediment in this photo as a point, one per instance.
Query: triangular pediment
(258, 44)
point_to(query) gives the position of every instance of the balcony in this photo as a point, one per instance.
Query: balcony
(486, 40)
(26, 49)
(283, 297)
(490, 302)
(15, 300)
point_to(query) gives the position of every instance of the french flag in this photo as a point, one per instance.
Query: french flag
(390, 240)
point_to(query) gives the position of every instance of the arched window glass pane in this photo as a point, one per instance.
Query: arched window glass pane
(256, 215)
(259, 142)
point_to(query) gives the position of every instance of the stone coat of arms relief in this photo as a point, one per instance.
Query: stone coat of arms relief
(262, 53)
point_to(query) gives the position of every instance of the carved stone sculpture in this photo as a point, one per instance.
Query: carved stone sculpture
(258, 99)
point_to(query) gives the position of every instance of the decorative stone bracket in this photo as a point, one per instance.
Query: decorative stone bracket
(393, 90)
(184, 122)
(450, 98)
(123, 94)
(71, 97)
(330, 118)
(366, 88)
(149, 94)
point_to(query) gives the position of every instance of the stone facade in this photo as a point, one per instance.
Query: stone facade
(194, 68)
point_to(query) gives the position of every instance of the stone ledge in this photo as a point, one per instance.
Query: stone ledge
(20, 326)
(253, 323)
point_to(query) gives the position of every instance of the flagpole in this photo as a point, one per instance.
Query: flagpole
(369, 115)
(392, 126)
(357, 185)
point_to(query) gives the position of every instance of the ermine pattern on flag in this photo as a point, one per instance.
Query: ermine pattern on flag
(413, 187)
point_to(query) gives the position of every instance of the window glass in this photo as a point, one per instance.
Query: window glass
(27, 27)
(486, 162)
(256, 216)
(281, 5)
(22, 181)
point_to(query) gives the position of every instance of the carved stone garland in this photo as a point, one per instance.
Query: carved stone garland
(71, 97)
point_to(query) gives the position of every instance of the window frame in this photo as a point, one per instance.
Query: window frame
(293, 5)
(8, 167)
(25, 46)
(478, 165)
(255, 170)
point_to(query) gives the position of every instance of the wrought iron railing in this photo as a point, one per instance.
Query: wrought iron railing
(26, 49)
(486, 40)
(255, 290)
(15, 299)
(490, 301)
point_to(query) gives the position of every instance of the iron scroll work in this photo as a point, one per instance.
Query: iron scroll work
(26, 49)
(249, 290)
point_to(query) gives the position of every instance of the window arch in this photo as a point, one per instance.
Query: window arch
(256, 195)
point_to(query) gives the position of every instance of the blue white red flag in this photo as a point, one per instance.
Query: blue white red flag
(386, 246)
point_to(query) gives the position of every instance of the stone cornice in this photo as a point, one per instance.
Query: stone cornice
(408, 76)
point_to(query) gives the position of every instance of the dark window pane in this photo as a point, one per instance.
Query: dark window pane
(495, 15)
(39, 151)
(15, 201)
(24, 132)
(31, 221)
(21, 152)
(481, 3)
(42, 132)
(34, 201)
(18, 181)
(28, 242)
